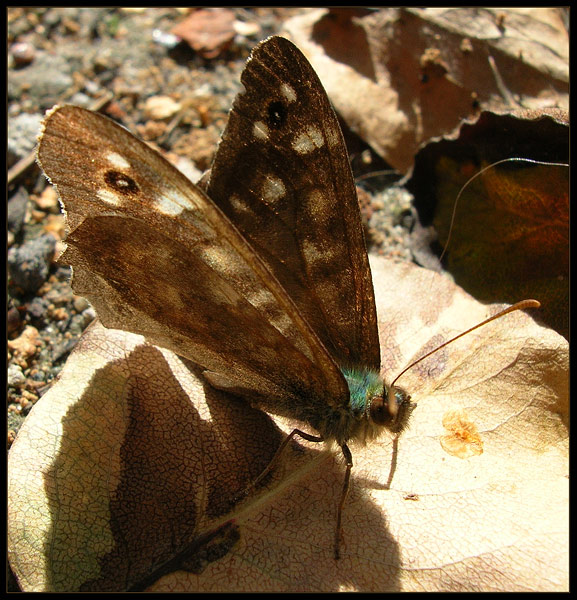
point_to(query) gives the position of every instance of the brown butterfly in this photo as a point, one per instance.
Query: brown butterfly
(263, 279)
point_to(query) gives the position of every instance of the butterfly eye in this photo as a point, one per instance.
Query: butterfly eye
(380, 411)
(277, 114)
(392, 409)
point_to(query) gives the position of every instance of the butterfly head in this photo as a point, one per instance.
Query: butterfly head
(391, 408)
(376, 405)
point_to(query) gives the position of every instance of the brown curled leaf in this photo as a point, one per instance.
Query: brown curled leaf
(509, 236)
(401, 77)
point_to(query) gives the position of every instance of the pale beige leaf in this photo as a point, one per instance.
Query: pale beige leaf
(130, 458)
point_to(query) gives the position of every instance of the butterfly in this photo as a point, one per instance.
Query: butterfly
(259, 275)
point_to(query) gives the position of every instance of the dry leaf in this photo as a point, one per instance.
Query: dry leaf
(510, 235)
(207, 31)
(401, 76)
(128, 468)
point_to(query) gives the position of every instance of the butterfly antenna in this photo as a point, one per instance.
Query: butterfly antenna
(522, 305)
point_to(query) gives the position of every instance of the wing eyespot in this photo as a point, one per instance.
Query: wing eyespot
(277, 114)
(121, 183)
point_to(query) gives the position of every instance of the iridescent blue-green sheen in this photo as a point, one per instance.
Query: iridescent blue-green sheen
(363, 385)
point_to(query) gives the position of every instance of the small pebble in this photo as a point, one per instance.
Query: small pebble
(16, 377)
(23, 53)
(80, 304)
(161, 107)
(29, 264)
(37, 308)
(48, 199)
(17, 207)
(165, 39)
(13, 320)
(26, 344)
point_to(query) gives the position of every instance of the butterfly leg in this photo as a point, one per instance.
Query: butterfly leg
(339, 530)
(277, 455)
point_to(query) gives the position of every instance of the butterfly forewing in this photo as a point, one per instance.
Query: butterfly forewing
(155, 256)
(282, 176)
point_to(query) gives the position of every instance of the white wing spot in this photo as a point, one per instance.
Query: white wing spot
(328, 288)
(318, 205)
(168, 206)
(334, 139)
(172, 203)
(215, 256)
(260, 130)
(109, 197)
(118, 161)
(309, 140)
(317, 254)
(239, 204)
(273, 189)
(286, 326)
(288, 92)
(223, 261)
(261, 299)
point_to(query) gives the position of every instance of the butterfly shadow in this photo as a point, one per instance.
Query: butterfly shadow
(152, 460)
